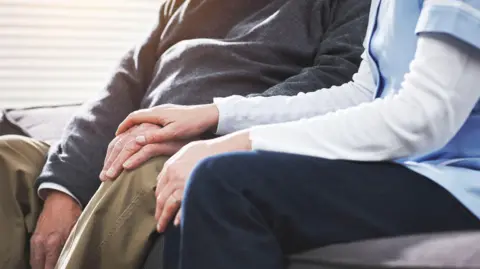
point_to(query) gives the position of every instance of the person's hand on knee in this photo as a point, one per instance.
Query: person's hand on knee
(59, 216)
(178, 122)
(148, 133)
(125, 153)
(172, 179)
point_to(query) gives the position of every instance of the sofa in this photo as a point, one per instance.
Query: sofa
(442, 251)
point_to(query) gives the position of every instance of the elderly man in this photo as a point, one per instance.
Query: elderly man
(198, 50)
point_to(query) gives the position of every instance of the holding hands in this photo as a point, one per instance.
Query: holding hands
(152, 132)
(177, 122)
(125, 153)
(164, 130)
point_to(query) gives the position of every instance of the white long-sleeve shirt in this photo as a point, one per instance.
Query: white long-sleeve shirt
(346, 122)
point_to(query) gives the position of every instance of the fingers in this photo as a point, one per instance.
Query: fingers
(122, 146)
(44, 251)
(166, 194)
(54, 246)
(162, 180)
(166, 133)
(178, 218)
(116, 167)
(138, 117)
(172, 205)
(37, 252)
(110, 149)
(169, 194)
(152, 150)
(114, 148)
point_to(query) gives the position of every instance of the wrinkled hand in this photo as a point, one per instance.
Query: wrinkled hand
(125, 153)
(176, 171)
(178, 122)
(59, 215)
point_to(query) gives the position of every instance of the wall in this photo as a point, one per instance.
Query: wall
(62, 51)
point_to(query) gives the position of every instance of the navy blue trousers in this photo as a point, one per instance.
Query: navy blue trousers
(250, 210)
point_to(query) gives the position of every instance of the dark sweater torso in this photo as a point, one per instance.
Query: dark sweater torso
(274, 41)
(212, 48)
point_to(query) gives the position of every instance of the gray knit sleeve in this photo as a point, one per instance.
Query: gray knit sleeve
(76, 160)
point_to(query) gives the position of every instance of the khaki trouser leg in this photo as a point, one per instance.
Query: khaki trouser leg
(114, 229)
(21, 160)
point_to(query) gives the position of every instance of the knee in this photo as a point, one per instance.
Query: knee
(13, 141)
(21, 148)
(141, 179)
(21, 160)
(212, 179)
(202, 182)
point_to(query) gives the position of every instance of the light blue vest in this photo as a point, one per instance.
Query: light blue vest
(391, 44)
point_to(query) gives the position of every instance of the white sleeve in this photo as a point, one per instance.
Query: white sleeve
(54, 186)
(238, 113)
(436, 97)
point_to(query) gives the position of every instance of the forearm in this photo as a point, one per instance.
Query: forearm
(437, 96)
(76, 160)
(238, 113)
(47, 187)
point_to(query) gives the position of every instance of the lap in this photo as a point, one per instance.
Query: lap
(21, 160)
(22, 153)
(271, 173)
(300, 194)
(135, 188)
(142, 179)
(114, 230)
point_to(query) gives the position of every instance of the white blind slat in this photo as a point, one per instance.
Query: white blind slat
(63, 51)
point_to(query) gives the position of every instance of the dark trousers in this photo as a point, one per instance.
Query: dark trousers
(250, 210)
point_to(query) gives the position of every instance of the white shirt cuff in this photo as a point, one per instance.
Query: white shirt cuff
(227, 118)
(54, 186)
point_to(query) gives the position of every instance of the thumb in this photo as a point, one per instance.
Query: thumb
(138, 117)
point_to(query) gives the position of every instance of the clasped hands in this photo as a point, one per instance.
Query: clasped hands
(167, 130)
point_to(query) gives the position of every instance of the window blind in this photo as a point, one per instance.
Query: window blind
(62, 51)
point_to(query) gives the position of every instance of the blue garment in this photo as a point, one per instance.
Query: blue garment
(247, 210)
(391, 44)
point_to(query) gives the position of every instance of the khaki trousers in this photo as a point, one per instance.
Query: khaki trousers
(113, 231)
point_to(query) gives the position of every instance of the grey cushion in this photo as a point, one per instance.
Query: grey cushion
(450, 250)
(7, 127)
(42, 123)
(432, 251)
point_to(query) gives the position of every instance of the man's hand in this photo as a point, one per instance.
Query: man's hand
(177, 170)
(125, 153)
(59, 215)
(178, 122)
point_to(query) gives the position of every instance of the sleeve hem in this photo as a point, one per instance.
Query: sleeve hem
(226, 114)
(456, 19)
(54, 186)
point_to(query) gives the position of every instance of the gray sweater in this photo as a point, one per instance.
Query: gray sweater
(202, 49)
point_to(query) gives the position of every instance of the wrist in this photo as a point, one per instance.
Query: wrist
(242, 139)
(239, 141)
(213, 115)
(54, 196)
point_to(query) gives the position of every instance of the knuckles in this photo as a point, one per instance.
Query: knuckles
(131, 146)
(171, 208)
(51, 241)
(37, 240)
